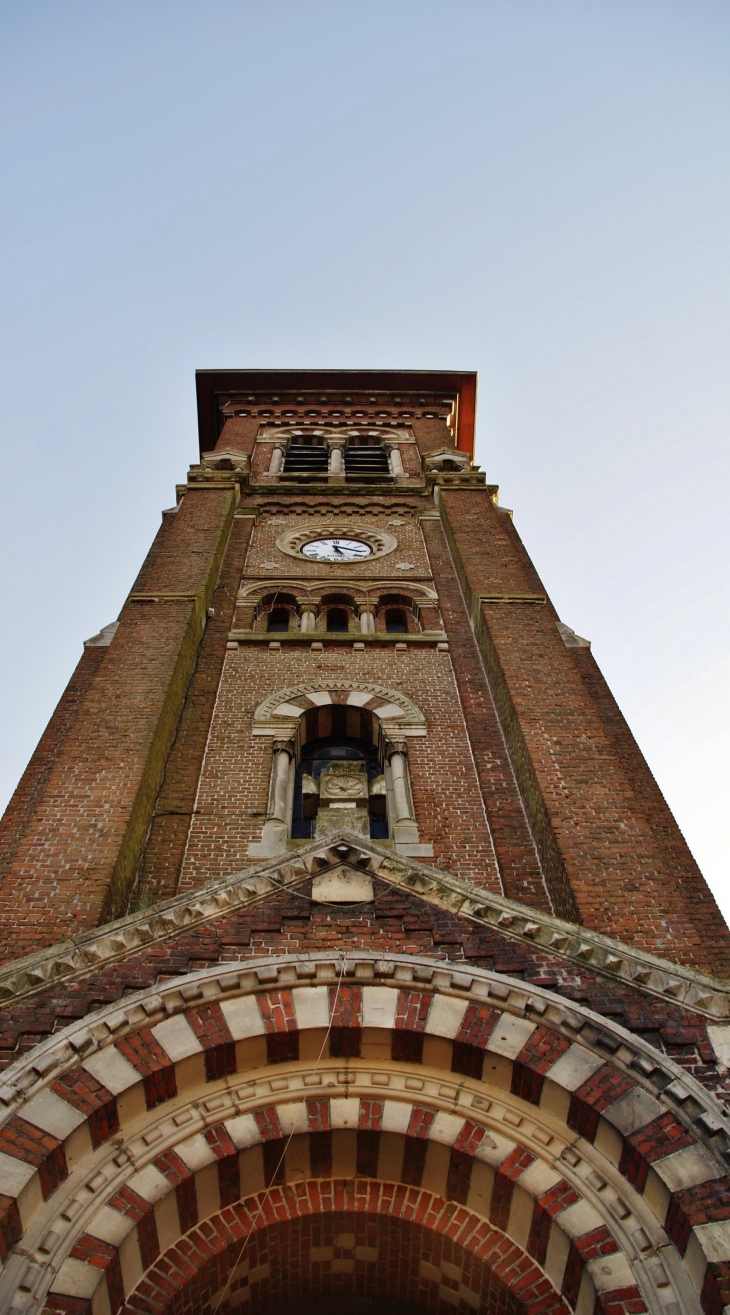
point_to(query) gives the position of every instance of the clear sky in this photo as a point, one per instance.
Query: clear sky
(535, 189)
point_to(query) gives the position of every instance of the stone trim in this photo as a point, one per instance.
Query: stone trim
(71, 959)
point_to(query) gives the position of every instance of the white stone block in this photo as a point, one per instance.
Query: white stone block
(345, 1112)
(687, 1168)
(574, 1067)
(579, 1219)
(110, 1226)
(77, 1279)
(445, 1016)
(177, 1037)
(196, 1152)
(396, 1116)
(112, 1070)
(610, 1272)
(311, 1007)
(14, 1174)
(493, 1150)
(446, 1128)
(243, 1017)
(633, 1111)
(53, 1114)
(510, 1035)
(150, 1184)
(539, 1178)
(293, 1118)
(379, 1004)
(244, 1131)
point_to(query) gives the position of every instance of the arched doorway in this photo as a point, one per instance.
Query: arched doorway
(270, 1132)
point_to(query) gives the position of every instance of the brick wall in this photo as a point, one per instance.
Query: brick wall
(589, 822)
(78, 856)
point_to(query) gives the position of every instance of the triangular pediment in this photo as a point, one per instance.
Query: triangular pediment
(351, 871)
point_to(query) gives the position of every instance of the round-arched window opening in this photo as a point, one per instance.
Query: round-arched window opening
(337, 620)
(395, 621)
(314, 757)
(278, 620)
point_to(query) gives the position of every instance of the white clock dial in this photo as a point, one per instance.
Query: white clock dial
(336, 550)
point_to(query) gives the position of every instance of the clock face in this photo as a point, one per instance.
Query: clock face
(336, 550)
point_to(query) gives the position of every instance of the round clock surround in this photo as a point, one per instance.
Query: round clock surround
(378, 543)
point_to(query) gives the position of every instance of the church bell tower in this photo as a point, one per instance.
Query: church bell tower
(350, 951)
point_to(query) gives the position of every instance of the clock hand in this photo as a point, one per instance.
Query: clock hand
(337, 548)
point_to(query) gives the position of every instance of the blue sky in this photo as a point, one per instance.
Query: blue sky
(536, 189)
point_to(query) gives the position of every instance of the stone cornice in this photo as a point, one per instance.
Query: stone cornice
(73, 959)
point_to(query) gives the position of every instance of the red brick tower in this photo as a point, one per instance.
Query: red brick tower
(350, 949)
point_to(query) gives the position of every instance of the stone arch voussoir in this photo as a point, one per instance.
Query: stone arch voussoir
(562, 1133)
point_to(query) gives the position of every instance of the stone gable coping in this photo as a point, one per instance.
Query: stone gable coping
(71, 959)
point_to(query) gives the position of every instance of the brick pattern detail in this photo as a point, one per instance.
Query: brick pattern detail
(369, 1125)
(537, 1056)
(715, 1295)
(133, 1206)
(620, 1301)
(407, 1236)
(11, 1227)
(320, 1138)
(458, 1180)
(25, 1142)
(470, 1042)
(596, 1243)
(229, 1172)
(346, 1015)
(416, 1146)
(707, 1203)
(144, 1052)
(183, 1180)
(659, 1138)
(103, 1256)
(600, 1090)
(280, 1022)
(81, 1089)
(410, 1024)
(213, 1033)
(504, 1180)
(545, 1209)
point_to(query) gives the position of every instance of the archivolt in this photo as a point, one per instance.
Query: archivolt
(142, 1145)
(387, 704)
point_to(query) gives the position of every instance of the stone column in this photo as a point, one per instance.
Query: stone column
(309, 620)
(399, 780)
(336, 465)
(275, 831)
(277, 460)
(367, 621)
(395, 458)
(404, 826)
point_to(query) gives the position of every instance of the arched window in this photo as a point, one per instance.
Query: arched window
(396, 614)
(337, 620)
(278, 620)
(395, 621)
(318, 755)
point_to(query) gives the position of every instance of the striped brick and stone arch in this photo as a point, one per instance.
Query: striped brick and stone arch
(285, 706)
(344, 1122)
